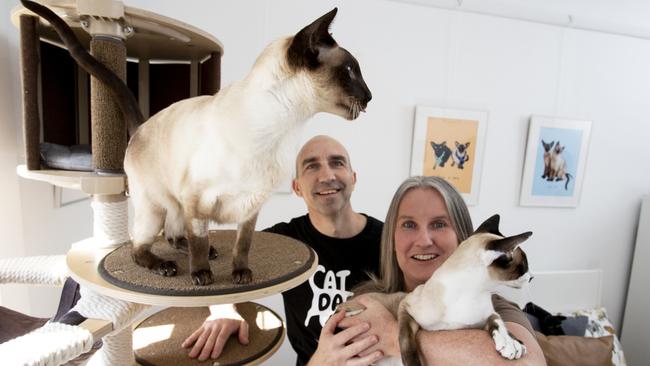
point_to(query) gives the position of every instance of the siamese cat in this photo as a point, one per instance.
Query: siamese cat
(218, 158)
(547, 158)
(442, 153)
(558, 166)
(458, 294)
(460, 155)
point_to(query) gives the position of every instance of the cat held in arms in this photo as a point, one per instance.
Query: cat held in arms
(458, 294)
(217, 158)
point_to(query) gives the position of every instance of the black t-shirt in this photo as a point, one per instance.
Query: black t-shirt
(342, 264)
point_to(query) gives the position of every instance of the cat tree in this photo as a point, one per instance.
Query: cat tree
(114, 33)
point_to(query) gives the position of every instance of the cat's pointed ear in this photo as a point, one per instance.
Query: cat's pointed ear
(508, 244)
(304, 48)
(490, 226)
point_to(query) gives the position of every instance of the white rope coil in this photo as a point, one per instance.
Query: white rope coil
(120, 313)
(117, 349)
(111, 224)
(38, 270)
(52, 344)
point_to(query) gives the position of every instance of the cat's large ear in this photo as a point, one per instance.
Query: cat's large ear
(304, 48)
(490, 226)
(508, 244)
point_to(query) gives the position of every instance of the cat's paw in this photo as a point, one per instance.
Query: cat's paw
(165, 268)
(351, 308)
(242, 276)
(202, 277)
(508, 346)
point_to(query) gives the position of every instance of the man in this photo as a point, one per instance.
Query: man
(347, 244)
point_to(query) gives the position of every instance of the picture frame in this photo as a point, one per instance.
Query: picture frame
(556, 158)
(449, 143)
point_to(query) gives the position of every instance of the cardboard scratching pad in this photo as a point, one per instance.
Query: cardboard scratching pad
(157, 340)
(273, 259)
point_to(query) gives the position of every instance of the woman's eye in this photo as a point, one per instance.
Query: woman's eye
(439, 225)
(408, 225)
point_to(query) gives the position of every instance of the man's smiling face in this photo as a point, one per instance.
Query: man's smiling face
(325, 179)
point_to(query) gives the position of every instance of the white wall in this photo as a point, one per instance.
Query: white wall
(413, 55)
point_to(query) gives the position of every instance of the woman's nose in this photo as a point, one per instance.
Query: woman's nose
(425, 238)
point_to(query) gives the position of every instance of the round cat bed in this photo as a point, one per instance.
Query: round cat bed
(157, 339)
(278, 263)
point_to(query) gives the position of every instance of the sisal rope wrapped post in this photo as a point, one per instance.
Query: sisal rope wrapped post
(29, 62)
(110, 220)
(109, 136)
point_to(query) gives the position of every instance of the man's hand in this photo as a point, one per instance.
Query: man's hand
(208, 340)
(382, 323)
(336, 349)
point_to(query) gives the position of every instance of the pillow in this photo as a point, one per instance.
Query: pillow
(598, 325)
(549, 324)
(76, 157)
(576, 350)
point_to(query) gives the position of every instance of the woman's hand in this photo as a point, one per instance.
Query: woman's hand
(336, 349)
(382, 325)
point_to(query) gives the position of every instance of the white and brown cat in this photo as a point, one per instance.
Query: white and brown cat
(217, 158)
(458, 294)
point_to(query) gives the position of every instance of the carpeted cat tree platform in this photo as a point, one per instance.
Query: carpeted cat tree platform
(116, 293)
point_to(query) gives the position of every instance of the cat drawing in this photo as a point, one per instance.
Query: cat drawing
(458, 295)
(217, 158)
(547, 158)
(558, 166)
(442, 153)
(460, 155)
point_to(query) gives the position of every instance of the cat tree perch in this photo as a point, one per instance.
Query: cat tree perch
(114, 33)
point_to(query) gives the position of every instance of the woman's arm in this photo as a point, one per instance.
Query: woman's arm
(453, 347)
(475, 347)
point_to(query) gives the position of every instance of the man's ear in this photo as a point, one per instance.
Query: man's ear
(304, 48)
(296, 187)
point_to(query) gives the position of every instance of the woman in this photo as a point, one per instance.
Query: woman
(426, 221)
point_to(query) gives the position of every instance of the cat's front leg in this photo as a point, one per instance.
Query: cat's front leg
(147, 223)
(199, 248)
(505, 343)
(240, 272)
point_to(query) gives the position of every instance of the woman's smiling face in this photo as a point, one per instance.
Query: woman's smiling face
(424, 236)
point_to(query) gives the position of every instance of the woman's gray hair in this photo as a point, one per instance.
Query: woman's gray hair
(391, 276)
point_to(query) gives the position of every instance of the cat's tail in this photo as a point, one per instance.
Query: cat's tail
(122, 94)
(566, 185)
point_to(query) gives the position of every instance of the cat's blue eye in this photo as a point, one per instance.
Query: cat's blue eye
(350, 71)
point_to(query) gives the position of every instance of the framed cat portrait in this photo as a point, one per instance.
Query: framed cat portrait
(449, 143)
(556, 155)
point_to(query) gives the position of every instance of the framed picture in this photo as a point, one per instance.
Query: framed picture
(556, 155)
(449, 143)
